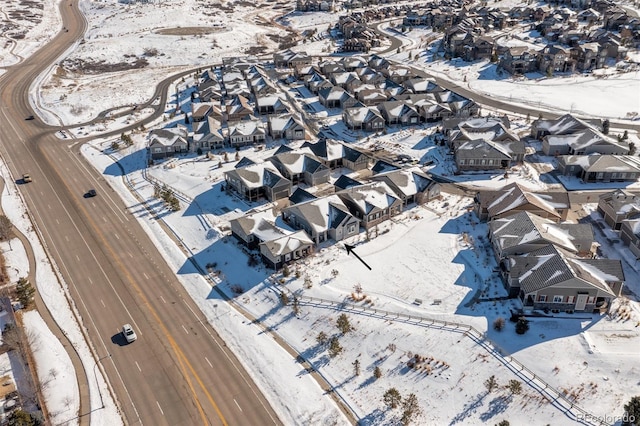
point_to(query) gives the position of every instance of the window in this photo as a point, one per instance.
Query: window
(542, 298)
(471, 162)
(571, 299)
(591, 299)
(557, 299)
(351, 228)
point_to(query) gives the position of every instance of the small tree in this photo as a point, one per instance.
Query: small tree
(343, 324)
(605, 126)
(503, 423)
(632, 148)
(392, 398)
(491, 383)
(284, 298)
(22, 418)
(498, 324)
(115, 146)
(285, 270)
(322, 338)
(356, 367)
(515, 387)
(625, 135)
(25, 292)
(6, 228)
(632, 412)
(377, 372)
(522, 326)
(410, 409)
(334, 347)
(295, 306)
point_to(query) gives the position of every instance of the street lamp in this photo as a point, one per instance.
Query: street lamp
(96, 376)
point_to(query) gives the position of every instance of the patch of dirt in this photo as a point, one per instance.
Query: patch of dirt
(184, 31)
(99, 67)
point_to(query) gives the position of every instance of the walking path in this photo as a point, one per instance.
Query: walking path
(81, 376)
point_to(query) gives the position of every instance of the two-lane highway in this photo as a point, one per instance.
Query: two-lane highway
(178, 372)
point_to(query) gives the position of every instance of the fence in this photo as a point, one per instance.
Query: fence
(555, 398)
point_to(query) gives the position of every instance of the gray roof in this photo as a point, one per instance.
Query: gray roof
(511, 196)
(527, 228)
(551, 265)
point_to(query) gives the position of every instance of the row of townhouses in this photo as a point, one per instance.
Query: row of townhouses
(547, 263)
(309, 219)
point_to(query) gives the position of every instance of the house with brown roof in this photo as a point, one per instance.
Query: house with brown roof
(238, 108)
(514, 198)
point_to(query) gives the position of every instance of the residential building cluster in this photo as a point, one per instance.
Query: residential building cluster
(547, 263)
(241, 103)
(578, 36)
(318, 209)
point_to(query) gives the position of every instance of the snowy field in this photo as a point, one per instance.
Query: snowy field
(593, 357)
(408, 259)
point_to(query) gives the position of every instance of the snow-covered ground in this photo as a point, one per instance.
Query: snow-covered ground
(422, 255)
(431, 262)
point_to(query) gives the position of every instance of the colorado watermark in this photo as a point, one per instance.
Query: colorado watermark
(607, 418)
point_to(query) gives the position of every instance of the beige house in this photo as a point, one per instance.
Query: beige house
(618, 205)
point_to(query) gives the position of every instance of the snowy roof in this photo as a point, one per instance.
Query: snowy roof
(321, 213)
(257, 175)
(551, 265)
(513, 195)
(369, 197)
(405, 182)
(261, 225)
(603, 163)
(526, 228)
(287, 243)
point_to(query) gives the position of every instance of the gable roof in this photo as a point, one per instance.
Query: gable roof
(322, 213)
(261, 224)
(513, 195)
(258, 175)
(287, 243)
(551, 265)
(527, 228)
(405, 182)
(370, 196)
(344, 182)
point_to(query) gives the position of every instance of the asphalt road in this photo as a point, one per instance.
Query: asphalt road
(178, 372)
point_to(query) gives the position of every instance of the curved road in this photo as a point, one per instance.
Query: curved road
(179, 372)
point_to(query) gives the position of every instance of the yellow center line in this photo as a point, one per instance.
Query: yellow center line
(176, 348)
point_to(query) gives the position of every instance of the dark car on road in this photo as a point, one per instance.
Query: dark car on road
(90, 193)
(30, 117)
